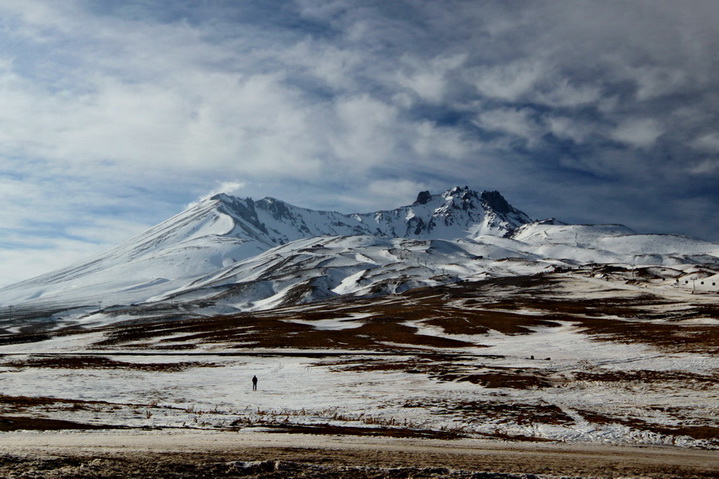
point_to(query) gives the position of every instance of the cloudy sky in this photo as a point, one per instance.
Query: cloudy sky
(115, 115)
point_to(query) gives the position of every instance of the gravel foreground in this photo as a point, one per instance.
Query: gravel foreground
(269, 455)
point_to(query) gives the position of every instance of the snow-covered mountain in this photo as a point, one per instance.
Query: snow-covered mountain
(241, 254)
(457, 213)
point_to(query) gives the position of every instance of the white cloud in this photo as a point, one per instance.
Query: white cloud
(228, 187)
(517, 122)
(39, 17)
(509, 81)
(439, 143)
(571, 128)
(331, 65)
(653, 82)
(105, 232)
(393, 193)
(366, 133)
(159, 96)
(705, 167)
(638, 132)
(707, 143)
(565, 94)
(429, 79)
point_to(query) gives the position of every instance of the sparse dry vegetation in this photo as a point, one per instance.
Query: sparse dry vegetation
(101, 362)
(512, 306)
(431, 335)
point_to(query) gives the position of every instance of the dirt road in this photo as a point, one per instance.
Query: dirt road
(262, 454)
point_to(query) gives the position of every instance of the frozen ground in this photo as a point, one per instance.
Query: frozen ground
(587, 357)
(143, 454)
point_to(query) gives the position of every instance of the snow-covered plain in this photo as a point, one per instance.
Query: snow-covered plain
(456, 316)
(558, 377)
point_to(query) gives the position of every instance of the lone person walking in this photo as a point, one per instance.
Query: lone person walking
(254, 383)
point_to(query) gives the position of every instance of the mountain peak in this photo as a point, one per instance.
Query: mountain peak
(278, 208)
(223, 197)
(459, 191)
(495, 201)
(459, 212)
(423, 198)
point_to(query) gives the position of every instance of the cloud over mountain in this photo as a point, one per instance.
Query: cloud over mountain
(592, 111)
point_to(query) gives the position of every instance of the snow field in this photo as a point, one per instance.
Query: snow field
(214, 391)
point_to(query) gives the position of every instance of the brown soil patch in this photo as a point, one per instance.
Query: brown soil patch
(483, 321)
(214, 466)
(502, 378)
(278, 456)
(100, 362)
(451, 369)
(17, 423)
(333, 430)
(23, 403)
(699, 381)
(41, 406)
(710, 433)
(664, 335)
(498, 412)
(506, 305)
(261, 331)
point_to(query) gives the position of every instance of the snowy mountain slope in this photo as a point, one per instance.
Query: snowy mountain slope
(456, 213)
(614, 244)
(247, 255)
(191, 243)
(319, 268)
(223, 230)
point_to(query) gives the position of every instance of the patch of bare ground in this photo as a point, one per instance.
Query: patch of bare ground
(25, 423)
(396, 432)
(206, 466)
(502, 378)
(484, 321)
(644, 318)
(385, 329)
(663, 335)
(100, 362)
(39, 406)
(20, 403)
(23, 413)
(510, 306)
(710, 433)
(266, 331)
(451, 369)
(284, 456)
(497, 412)
(383, 431)
(688, 379)
(48, 413)
(22, 338)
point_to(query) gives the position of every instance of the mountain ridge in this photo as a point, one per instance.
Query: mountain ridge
(246, 254)
(456, 213)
